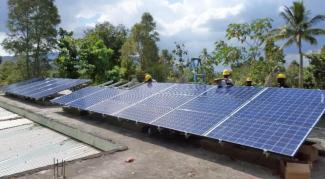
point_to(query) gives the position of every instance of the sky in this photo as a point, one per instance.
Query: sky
(196, 23)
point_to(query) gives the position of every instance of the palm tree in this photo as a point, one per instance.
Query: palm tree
(298, 27)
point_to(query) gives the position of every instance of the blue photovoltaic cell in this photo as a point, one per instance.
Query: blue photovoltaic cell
(216, 103)
(278, 120)
(44, 86)
(267, 136)
(166, 100)
(57, 88)
(95, 98)
(30, 86)
(151, 87)
(128, 98)
(108, 107)
(221, 101)
(271, 119)
(39, 88)
(153, 107)
(16, 85)
(143, 113)
(187, 121)
(188, 89)
(286, 106)
(76, 95)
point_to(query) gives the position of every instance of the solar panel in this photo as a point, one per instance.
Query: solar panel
(187, 121)
(57, 88)
(278, 120)
(153, 107)
(143, 113)
(188, 89)
(90, 100)
(40, 88)
(128, 98)
(29, 86)
(76, 95)
(212, 105)
(166, 100)
(15, 85)
(221, 101)
(271, 119)
(43, 86)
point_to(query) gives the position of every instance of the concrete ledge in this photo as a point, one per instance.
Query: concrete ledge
(65, 128)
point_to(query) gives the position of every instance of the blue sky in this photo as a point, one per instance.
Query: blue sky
(197, 23)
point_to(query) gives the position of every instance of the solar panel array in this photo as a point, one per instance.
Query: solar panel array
(39, 88)
(271, 119)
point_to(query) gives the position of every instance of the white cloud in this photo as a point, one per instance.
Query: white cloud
(189, 21)
(2, 51)
(197, 23)
(172, 18)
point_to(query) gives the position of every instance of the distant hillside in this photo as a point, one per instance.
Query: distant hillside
(50, 57)
(8, 58)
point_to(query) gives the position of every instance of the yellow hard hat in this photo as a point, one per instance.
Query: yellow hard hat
(226, 72)
(147, 77)
(248, 79)
(281, 75)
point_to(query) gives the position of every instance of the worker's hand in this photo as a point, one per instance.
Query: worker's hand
(217, 80)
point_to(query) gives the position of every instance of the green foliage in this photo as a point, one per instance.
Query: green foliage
(95, 59)
(128, 57)
(180, 52)
(251, 35)
(298, 26)
(207, 65)
(274, 60)
(166, 62)
(226, 54)
(257, 57)
(140, 51)
(11, 72)
(145, 36)
(87, 57)
(67, 60)
(309, 79)
(292, 74)
(116, 73)
(317, 67)
(112, 36)
(32, 31)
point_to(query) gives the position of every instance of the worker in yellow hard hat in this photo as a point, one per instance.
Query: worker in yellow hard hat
(226, 80)
(248, 81)
(147, 78)
(281, 78)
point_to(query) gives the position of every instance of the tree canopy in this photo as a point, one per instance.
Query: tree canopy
(298, 27)
(32, 31)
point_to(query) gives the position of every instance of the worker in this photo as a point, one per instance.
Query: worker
(226, 80)
(147, 78)
(281, 78)
(248, 81)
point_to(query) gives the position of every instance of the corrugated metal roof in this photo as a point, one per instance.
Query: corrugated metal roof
(26, 145)
(14, 123)
(5, 115)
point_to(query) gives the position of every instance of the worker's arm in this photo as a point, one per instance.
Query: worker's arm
(229, 82)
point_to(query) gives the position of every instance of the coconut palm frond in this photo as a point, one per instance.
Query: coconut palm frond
(317, 19)
(310, 39)
(315, 31)
(289, 42)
